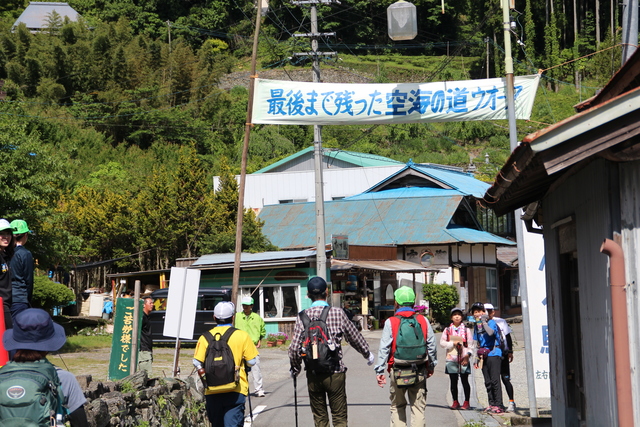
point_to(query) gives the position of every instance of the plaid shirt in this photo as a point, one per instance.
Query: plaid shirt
(339, 326)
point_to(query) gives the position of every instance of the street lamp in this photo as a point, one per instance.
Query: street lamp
(402, 23)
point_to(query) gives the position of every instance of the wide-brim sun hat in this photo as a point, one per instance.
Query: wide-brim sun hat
(33, 329)
(404, 295)
(224, 310)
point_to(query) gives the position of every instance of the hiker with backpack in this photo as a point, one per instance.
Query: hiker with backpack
(487, 336)
(457, 339)
(317, 338)
(32, 390)
(225, 353)
(408, 352)
(507, 354)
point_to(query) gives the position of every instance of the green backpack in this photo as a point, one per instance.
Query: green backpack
(411, 348)
(30, 394)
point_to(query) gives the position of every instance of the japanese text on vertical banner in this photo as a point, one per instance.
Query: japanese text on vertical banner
(121, 344)
(300, 103)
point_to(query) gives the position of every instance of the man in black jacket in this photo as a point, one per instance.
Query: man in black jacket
(145, 356)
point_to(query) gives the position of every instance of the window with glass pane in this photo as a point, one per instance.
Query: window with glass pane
(492, 286)
(275, 301)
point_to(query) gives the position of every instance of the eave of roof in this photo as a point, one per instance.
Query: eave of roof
(261, 259)
(396, 265)
(535, 163)
(357, 159)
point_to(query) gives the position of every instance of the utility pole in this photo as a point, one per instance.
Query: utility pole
(513, 140)
(235, 280)
(321, 255)
(629, 28)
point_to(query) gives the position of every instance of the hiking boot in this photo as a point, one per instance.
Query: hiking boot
(497, 410)
(465, 406)
(511, 407)
(455, 405)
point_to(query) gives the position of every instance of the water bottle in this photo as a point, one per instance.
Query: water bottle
(59, 422)
(201, 371)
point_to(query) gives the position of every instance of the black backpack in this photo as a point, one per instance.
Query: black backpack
(219, 364)
(319, 350)
(30, 394)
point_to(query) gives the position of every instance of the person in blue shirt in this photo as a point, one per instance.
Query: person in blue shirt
(487, 336)
(21, 269)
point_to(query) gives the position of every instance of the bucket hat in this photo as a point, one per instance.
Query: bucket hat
(33, 329)
(224, 310)
(404, 295)
(20, 226)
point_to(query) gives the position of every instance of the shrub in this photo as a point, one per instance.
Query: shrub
(442, 298)
(48, 294)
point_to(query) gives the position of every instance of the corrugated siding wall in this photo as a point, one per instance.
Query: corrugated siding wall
(630, 207)
(587, 196)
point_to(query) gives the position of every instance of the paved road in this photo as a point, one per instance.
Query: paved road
(368, 404)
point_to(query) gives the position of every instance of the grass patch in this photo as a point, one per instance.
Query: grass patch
(77, 343)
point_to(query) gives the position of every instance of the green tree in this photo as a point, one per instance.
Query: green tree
(48, 294)
(442, 298)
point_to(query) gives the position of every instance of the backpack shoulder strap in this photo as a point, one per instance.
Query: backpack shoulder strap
(304, 317)
(227, 334)
(324, 314)
(208, 336)
(422, 321)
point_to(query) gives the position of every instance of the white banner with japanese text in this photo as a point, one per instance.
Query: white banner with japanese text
(304, 103)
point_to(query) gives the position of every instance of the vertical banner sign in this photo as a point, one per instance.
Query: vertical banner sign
(119, 364)
(182, 300)
(537, 302)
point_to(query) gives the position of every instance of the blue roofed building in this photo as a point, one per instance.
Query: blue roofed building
(418, 225)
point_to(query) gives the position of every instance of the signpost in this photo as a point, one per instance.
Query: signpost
(120, 363)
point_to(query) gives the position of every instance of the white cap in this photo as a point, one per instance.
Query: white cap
(224, 310)
(488, 306)
(4, 225)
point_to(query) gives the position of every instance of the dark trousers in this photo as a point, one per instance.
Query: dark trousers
(505, 374)
(225, 409)
(332, 386)
(453, 378)
(491, 372)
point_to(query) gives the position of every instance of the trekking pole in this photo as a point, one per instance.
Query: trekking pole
(247, 369)
(295, 396)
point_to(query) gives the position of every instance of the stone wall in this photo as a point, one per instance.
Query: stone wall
(139, 401)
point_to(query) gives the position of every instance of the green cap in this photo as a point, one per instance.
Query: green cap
(404, 295)
(20, 226)
(247, 301)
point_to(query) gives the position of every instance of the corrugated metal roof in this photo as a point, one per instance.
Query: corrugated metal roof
(407, 192)
(35, 16)
(469, 235)
(372, 221)
(328, 154)
(252, 260)
(443, 176)
(396, 265)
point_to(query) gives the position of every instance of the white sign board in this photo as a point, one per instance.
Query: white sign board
(536, 299)
(181, 303)
(304, 103)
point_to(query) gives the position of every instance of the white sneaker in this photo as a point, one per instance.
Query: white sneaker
(511, 407)
(260, 393)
